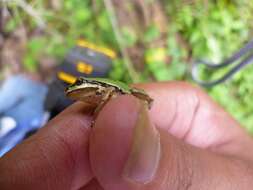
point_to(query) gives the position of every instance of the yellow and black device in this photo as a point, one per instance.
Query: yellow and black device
(85, 59)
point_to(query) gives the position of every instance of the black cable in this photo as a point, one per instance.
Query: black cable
(229, 74)
(238, 55)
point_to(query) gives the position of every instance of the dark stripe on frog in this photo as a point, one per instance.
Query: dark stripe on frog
(104, 84)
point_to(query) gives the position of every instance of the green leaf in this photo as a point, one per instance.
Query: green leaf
(11, 25)
(129, 36)
(154, 55)
(30, 64)
(35, 45)
(103, 21)
(151, 33)
(81, 15)
(162, 74)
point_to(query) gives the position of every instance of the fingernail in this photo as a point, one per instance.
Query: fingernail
(144, 157)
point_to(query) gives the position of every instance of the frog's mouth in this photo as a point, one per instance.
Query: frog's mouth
(87, 95)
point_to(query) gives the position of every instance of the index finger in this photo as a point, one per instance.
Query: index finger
(56, 157)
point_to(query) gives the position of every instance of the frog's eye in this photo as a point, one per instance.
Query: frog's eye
(79, 81)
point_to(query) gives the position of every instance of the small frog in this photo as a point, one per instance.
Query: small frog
(98, 91)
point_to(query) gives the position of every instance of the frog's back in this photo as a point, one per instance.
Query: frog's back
(108, 82)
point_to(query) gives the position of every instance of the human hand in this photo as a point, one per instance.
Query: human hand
(189, 143)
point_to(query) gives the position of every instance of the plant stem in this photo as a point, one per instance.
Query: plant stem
(110, 9)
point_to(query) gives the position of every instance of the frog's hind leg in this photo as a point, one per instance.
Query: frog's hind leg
(108, 94)
(142, 95)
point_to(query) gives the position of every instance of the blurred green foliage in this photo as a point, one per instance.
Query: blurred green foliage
(214, 32)
(210, 30)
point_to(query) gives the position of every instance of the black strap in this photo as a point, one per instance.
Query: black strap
(246, 53)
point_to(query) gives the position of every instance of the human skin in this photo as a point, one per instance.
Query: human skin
(186, 141)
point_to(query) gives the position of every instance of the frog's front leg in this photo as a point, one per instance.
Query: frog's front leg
(108, 94)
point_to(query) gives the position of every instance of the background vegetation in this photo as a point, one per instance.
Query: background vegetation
(156, 40)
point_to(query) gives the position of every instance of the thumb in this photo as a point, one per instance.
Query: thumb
(128, 152)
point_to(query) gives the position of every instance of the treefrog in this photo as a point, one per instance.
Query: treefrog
(98, 91)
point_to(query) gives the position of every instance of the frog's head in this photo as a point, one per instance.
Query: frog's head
(77, 84)
(84, 90)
